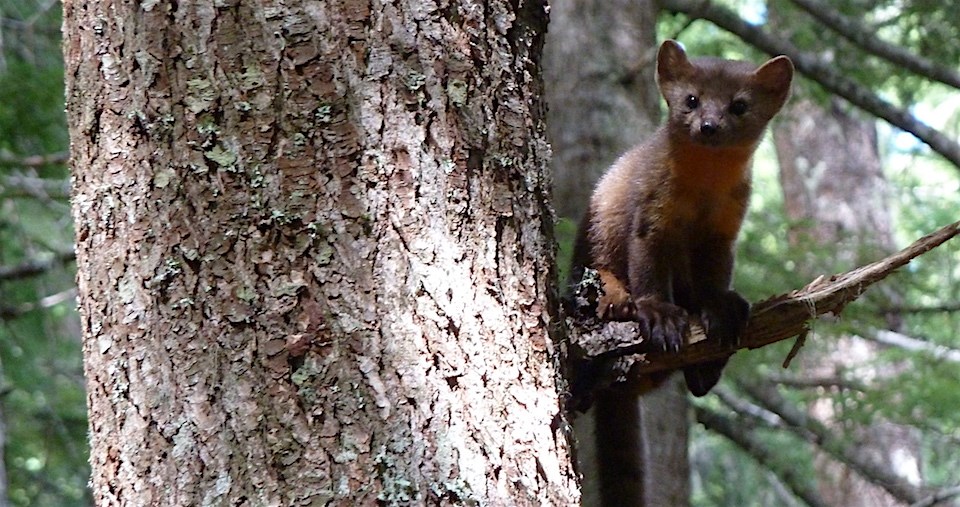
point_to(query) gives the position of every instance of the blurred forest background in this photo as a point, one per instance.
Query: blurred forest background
(866, 415)
(43, 424)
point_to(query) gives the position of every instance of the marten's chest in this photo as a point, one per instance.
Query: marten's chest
(707, 213)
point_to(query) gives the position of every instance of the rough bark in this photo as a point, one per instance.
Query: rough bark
(599, 64)
(314, 253)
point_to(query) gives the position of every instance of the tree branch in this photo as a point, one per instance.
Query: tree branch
(823, 73)
(943, 308)
(778, 413)
(939, 496)
(869, 42)
(35, 267)
(818, 382)
(747, 409)
(12, 312)
(601, 353)
(909, 343)
(755, 448)
(34, 160)
(815, 432)
(19, 185)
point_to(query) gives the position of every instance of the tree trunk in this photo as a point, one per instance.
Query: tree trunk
(835, 194)
(314, 252)
(599, 64)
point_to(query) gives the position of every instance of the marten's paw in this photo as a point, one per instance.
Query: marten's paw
(725, 317)
(702, 377)
(615, 303)
(665, 325)
(616, 309)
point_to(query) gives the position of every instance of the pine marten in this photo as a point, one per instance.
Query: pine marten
(660, 231)
(662, 221)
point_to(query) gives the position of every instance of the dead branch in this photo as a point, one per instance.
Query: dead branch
(604, 352)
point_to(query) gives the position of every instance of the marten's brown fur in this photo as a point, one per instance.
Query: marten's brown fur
(663, 220)
(661, 227)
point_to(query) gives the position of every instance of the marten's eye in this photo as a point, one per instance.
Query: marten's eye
(738, 107)
(693, 101)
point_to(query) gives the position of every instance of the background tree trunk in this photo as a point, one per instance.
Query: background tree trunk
(599, 65)
(835, 194)
(314, 252)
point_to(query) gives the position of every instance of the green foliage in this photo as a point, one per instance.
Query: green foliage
(32, 120)
(45, 411)
(911, 388)
(716, 464)
(42, 400)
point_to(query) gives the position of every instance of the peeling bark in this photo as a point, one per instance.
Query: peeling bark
(314, 250)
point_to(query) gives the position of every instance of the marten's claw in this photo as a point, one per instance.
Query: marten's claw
(665, 325)
(616, 309)
(725, 317)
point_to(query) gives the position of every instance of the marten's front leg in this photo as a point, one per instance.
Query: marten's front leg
(723, 312)
(662, 322)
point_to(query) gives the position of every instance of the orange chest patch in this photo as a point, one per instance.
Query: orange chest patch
(710, 191)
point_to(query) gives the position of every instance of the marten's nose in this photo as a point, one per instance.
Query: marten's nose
(708, 128)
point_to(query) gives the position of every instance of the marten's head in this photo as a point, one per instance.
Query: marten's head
(721, 103)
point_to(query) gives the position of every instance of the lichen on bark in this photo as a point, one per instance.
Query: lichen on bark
(314, 253)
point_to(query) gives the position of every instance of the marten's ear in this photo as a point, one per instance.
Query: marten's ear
(672, 62)
(775, 75)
